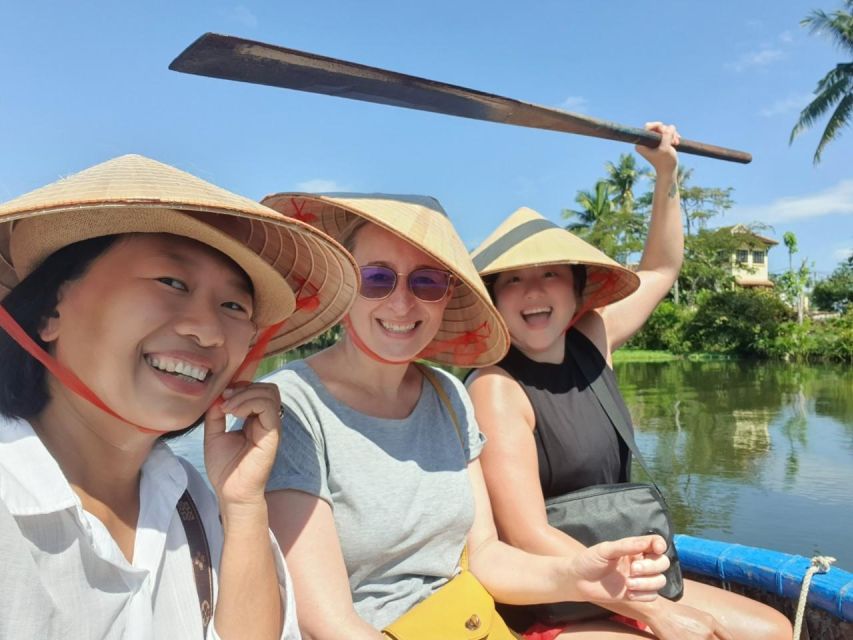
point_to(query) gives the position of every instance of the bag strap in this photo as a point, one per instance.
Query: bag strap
(605, 398)
(442, 395)
(430, 376)
(200, 555)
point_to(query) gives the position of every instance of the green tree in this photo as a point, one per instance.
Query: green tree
(835, 89)
(622, 178)
(790, 241)
(616, 232)
(707, 263)
(835, 293)
(739, 322)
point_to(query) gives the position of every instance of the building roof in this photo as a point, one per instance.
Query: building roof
(744, 230)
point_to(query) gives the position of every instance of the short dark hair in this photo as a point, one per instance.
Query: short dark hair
(578, 281)
(23, 381)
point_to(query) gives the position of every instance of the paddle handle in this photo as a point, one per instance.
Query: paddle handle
(652, 139)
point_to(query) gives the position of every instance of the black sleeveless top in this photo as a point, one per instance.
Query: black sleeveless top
(576, 444)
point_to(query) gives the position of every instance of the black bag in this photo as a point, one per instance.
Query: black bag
(604, 512)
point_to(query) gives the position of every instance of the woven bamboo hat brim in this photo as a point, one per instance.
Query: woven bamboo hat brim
(133, 194)
(526, 239)
(421, 221)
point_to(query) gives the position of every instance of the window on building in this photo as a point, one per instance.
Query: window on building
(743, 256)
(757, 257)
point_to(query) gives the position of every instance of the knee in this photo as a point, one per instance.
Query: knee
(772, 625)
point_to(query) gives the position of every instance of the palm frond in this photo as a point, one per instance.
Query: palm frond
(837, 121)
(837, 25)
(832, 92)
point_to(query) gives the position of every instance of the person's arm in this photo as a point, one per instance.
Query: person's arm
(510, 468)
(629, 568)
(305, 528)
(249, 604)
(662, 255)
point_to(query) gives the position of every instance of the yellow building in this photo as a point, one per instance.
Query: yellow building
(749, 259)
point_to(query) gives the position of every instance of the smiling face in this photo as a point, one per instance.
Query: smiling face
(156, 327)
(537, 304)
(400, 326)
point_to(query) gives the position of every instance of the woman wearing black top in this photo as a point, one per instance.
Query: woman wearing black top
(547, 433)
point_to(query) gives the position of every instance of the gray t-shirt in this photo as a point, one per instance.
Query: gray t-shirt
(399, 489)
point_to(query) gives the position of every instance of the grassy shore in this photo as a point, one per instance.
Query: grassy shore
(644, 355)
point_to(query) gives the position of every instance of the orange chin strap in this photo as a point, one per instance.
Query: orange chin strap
(466, 347)
(71, 382)
(358, 342)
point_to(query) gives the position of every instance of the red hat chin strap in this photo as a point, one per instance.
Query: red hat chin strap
(358, 342)
(71, 382)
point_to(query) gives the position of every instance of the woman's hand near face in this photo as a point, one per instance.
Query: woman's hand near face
(238, 463)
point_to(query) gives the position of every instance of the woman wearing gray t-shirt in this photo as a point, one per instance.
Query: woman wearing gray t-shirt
(374, 494)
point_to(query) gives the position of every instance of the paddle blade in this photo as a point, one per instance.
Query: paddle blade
(233, 58)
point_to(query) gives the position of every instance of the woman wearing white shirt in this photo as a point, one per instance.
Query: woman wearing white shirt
(134, 294)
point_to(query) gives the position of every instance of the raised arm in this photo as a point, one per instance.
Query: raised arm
(662, 255)
(305, 529)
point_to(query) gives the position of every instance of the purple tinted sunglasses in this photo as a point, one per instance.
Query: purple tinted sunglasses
(429, 285)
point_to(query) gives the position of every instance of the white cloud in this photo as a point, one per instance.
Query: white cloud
(842, 254)
(760, 58)
(837, 200)
(786, 37)
(319, 185)
(243, 15)
(786, 105)
(574, 103)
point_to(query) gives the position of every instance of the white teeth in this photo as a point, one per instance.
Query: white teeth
(173, 365)
(397, 328)
(530, 312)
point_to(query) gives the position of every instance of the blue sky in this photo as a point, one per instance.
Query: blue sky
(86, 81)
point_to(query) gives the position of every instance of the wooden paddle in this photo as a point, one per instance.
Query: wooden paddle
(235, 58)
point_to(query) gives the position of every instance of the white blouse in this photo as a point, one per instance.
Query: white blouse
(63, 576)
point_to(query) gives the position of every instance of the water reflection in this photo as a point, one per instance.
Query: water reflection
(751, 452)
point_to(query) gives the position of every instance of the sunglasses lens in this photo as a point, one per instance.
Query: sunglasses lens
(377, 282)
(429, 284)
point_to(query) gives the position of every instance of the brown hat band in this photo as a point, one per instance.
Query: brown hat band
(509, 240)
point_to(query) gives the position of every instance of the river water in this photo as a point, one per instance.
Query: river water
(756, 453)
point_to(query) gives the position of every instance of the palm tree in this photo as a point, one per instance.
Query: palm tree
(835, 89)
(790, 241)
(595, 219)
(622, 177)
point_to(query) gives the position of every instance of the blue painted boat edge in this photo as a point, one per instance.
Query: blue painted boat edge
(772, 571)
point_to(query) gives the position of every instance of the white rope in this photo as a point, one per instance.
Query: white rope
(820, 564)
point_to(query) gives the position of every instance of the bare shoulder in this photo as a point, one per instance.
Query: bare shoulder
(498, 397)
(594, 326)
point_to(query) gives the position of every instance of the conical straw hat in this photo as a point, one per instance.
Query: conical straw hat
(472, 332)
(135, 194)
(526, 239)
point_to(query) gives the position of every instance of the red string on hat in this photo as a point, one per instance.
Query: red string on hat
(298, 212)
(466, 348)
(605, 279)
(472, 341)
(358, 342)
(307, 295)
(71, 382)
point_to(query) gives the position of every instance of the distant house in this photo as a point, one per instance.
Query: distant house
(749, 259)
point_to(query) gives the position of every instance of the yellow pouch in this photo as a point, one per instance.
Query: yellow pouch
(461, 610)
